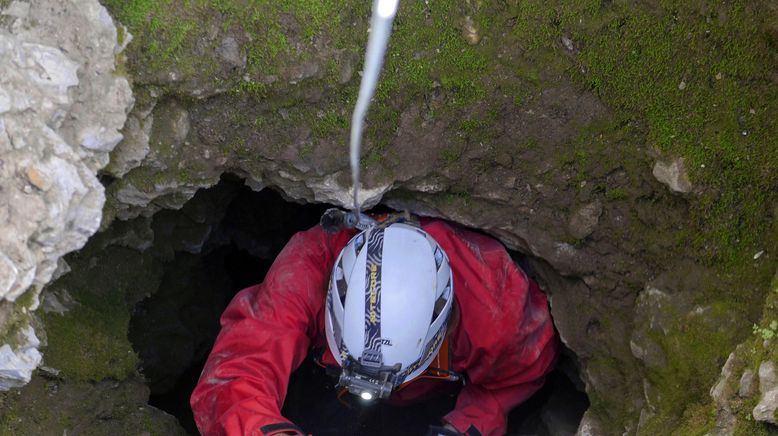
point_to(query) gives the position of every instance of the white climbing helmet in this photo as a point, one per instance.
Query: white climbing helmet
(389, 301)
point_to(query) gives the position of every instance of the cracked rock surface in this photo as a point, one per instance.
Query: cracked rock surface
(61, 109)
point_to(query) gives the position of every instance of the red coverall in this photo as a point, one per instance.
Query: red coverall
(504, 340)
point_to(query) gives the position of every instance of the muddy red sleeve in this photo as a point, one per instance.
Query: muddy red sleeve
(266, 332)
(504, 340)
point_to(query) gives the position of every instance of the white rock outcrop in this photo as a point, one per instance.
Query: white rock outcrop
(674, 175)
(767, 408)
(16, 365)
(61, 110)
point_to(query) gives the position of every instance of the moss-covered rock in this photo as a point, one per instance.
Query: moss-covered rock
(509, 117)
(53, 406)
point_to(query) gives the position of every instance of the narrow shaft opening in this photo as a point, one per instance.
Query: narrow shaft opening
(225, 239)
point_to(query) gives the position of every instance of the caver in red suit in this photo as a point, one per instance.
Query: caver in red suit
(501, 337)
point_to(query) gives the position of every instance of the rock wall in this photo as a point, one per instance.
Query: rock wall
(577, 134)
(629, 149)
(61, 108)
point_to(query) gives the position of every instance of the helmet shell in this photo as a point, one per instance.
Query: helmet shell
(391, 292)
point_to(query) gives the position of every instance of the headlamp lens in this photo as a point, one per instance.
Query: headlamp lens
(367, 396)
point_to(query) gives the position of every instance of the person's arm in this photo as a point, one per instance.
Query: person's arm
(510, 344)
(266, 333)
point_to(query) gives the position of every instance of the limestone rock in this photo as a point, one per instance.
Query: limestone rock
(61, 109)
(723, 390)
(726, 421)
(229, 52)
(58, 301)
(470, 31)
(18, 363)
(747, 386)
(647, 350)
(131, 151)
(585, 219)
(589, 426)
(767, 408)
(674, 175)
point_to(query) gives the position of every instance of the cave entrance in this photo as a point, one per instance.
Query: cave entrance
(225, 239)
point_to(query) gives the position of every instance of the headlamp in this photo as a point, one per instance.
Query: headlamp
(366, 382)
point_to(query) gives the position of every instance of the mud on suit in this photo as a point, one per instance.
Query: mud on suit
(503, 338)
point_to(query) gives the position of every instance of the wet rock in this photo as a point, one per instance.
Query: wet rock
(767, 408)
(302, 71)
(567, 43)
(8, 273)
(346, 67)
(651, 307)
(18, 9)
(747, 386)
(725, 387)
(645, 415)
(57, 301)
(589, 426)
(584, 220)
(53, 406)
(674, 175)
(726, 422)
(647, 350)
(131, 151)
(229, 52)
(169, 132)
(470, 31)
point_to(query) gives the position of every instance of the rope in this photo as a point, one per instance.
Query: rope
(380, 30)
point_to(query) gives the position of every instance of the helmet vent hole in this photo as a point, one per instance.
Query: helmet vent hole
(438, 257)
(340, 283)
(440, 304)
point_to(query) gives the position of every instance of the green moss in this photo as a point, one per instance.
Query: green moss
(691, 349)
(746, 424)
(615, 194)
(18, 319)
(427, 47)
(53, 406)
(695, 70)
(171, 35)
(89, 342)
(451, 153)
(635, 57)
(250, 87)
(330, 123)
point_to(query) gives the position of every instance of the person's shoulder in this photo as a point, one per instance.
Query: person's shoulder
(449, 233)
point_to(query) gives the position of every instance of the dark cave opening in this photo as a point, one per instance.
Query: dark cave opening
(174, 328)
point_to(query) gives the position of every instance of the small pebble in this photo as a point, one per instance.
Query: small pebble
(682, 85)
(744, 133)
(758, 255)
(568, 43)
(719, 76)
(752, 112)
